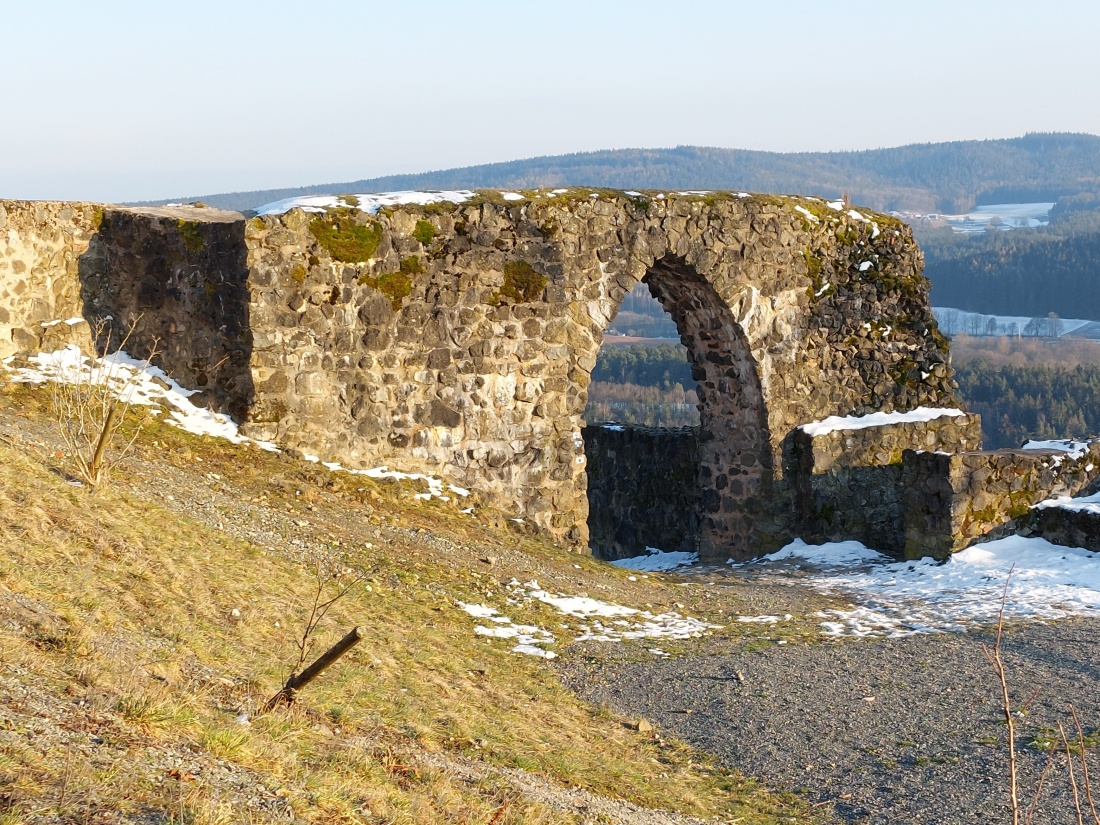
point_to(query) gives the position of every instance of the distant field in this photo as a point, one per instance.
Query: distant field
(1066, 352)
(628, 340)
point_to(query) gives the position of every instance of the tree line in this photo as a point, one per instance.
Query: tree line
(1020, 403)
(653, 386)
(663, 366)
(930, 177)
(1029, 272)
(639, 384)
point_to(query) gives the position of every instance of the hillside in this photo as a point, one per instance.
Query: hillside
(141, 627)
(1022, 272)
(931, 177)
(500, 679)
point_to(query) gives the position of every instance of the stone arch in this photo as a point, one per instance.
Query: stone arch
(465, 352)
(732, 451)
(735, 453)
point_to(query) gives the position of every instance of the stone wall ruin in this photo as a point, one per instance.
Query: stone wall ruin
(458, 338)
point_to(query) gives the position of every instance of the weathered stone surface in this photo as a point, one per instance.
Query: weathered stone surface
(849, 482)
(176, 281)
(1070, 528)
(470, 357)
(951, 500)
(642, 489)
(42, 247)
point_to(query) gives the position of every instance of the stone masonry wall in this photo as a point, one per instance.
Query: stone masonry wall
(41, 246)
(848, 482)
(459, 339)
(176, 281)
(951, 500)
(642, 489)
(1070, 528)
(465, 350)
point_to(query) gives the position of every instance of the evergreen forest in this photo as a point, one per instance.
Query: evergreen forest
(652, 385)
(1030, 272)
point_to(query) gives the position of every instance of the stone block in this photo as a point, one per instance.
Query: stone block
(945, 510)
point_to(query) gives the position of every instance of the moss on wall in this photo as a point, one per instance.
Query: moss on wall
(191, 235)
(346, 240)
(424, 231)
(396, 285)
(521, 283)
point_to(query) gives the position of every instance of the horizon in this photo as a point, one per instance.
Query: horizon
(124, 101)
(184, 198)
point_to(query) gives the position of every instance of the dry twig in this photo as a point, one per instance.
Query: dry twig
(997, 662)
(1084, 764)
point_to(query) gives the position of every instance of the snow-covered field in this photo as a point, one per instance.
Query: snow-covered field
(1010, 215)
(954, 321)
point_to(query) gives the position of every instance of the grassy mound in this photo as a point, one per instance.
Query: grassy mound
(139, 623)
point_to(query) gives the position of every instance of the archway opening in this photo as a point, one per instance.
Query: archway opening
(699, 488)
(643, 371)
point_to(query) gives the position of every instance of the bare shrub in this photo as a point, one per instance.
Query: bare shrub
(1083, 801)
(331, 583)
(90, 397)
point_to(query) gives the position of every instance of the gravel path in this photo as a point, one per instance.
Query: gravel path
(885, 731)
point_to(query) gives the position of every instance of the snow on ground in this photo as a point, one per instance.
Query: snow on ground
(765, 619)
(895, 599)
(657, 560)
(138, 382)
(879, 419)
(600, 621)
(834, 554)
(954, 321)
(135, 382)
(435, 485)
(527, 637)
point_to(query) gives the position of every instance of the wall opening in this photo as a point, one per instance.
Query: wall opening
(699, 488)
(643, 371)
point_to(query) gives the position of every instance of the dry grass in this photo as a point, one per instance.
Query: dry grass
(1001, 351)
(123, 665)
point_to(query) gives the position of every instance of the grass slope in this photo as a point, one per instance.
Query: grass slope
(138, 621)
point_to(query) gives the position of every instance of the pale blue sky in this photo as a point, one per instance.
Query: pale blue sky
(114, 100)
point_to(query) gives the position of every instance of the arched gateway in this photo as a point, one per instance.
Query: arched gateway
(458, 338)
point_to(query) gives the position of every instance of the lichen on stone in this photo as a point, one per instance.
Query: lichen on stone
(191, 235)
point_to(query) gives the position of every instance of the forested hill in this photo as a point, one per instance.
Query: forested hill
(1029, 272)
(929, 177)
